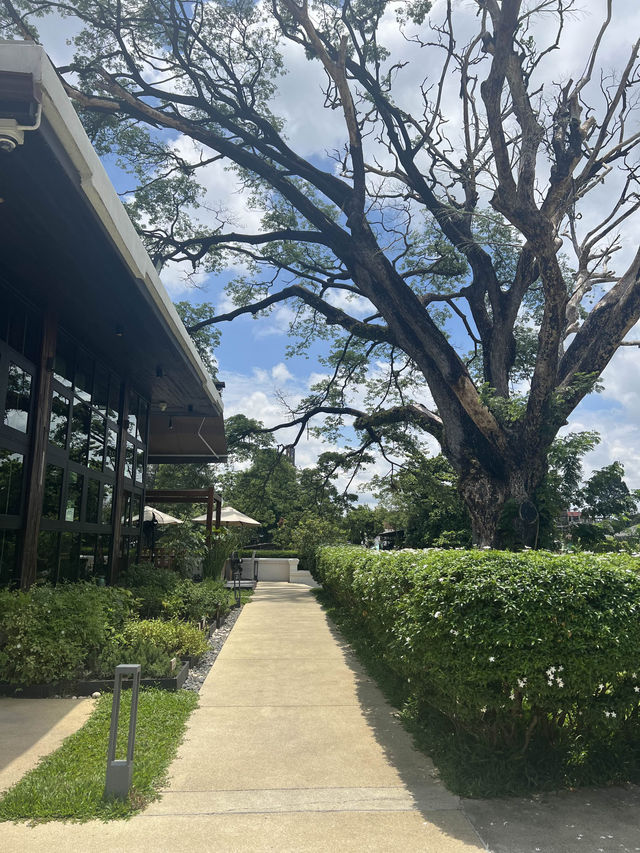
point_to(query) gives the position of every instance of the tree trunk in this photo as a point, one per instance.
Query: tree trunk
(486, 496)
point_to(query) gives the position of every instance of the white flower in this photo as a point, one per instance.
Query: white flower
(437, 614)
(636, 689)
(512, 695)
(491, 659)
(551, 671)
(18, 645)
(560, 668)
(454, 632)
(634, 675)
(522, 682)
(613, 713)
(483, 710)
(601, 687)
(607, 713)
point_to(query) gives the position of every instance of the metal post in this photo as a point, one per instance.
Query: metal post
(120, 772)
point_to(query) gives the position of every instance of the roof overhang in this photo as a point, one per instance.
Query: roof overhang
(68, 243)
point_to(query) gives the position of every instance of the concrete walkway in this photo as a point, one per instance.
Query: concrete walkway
(32, 728)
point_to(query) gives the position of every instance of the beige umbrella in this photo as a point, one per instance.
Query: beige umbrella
(153, 514)
(231, 517)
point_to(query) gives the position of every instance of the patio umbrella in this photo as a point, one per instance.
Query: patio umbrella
(153, 514)
(231, 517)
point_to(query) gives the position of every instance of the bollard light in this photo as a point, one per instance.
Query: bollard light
(120, 772)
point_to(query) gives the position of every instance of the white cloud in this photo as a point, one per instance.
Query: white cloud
(281, 373)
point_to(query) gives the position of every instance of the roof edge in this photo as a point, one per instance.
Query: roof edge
(100, 193)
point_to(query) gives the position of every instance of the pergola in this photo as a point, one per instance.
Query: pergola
(190, 496)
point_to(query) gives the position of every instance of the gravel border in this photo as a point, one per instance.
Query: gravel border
(218, 638)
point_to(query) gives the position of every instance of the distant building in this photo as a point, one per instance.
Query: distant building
(98, 376)
(568, 518)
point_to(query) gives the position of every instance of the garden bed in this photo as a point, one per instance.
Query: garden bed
(88, 687)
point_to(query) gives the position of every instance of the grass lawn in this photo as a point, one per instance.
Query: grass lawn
(69, 783)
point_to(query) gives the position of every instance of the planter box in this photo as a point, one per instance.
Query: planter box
(86, 688)
(36, 691)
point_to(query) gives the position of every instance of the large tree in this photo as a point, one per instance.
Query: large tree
(399, 217)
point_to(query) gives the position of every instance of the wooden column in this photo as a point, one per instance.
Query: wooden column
(209, 516)
(118, 498)
(40, 413)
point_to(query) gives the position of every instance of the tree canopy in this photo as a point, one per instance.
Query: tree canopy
(432, 241)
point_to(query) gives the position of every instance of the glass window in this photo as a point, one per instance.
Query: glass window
(59, 424)
(74, 496)
(114, 399)
(88, 544)
(84, 376)
(107, 503)
(52, 492)
(8, 556)
(96, 441)
(69, 557)
(133, 414)
(79, 438)
(47, 561)
(143, 417)
(101, 390)
(128, 463)
(126, 509)
(102, 559)
(136, 509)
(111, 454)
(18, 398)
(93, 501)
(139, 465)
(63, 362)
(11, 469)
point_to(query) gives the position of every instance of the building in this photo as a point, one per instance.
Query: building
(98, 376)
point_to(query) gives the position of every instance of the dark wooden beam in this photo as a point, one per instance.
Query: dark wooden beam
(38, 450)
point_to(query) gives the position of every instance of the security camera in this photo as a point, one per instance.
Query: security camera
(8, 144)
(11, 135)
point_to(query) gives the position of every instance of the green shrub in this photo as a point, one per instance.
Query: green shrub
(530, 661)
(55, 633)
(152, 643)
(146, 574)
(150, 587)
(195, 601)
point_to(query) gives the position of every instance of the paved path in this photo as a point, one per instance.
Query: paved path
(31, 728)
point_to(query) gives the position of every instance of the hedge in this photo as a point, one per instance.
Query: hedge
(531, 659)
